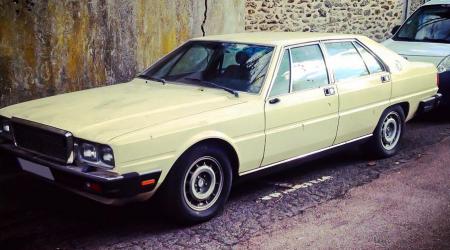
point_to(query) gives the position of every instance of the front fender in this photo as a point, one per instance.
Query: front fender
(158, 147)
(206, 135)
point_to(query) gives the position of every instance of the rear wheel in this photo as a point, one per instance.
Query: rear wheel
(388, 133)
(198, 185)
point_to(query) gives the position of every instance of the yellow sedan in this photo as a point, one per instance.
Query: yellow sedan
(215, 109)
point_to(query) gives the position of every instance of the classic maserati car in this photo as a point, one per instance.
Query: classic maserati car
(216, 109)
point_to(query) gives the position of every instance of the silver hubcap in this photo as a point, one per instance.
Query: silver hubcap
(203, 183)
(391, 130)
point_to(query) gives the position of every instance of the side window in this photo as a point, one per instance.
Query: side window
(345, 60)
(281, 83)
(308, 68)
(372, 63)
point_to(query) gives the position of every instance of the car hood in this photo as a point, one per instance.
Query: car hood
(419, 51)
(101, 114)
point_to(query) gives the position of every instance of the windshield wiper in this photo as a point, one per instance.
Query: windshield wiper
(161, 80)
(232, 91)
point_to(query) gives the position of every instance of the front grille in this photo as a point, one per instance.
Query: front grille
(46, 141)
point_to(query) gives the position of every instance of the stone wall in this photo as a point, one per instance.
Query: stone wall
(414, 4)
(52, 46)
(374, 19)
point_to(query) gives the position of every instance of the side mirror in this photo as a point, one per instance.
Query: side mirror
(395, 29)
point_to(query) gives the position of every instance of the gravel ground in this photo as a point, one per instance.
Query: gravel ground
(36, 215)
(407, 209)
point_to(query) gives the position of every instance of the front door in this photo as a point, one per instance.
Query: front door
(302, 107)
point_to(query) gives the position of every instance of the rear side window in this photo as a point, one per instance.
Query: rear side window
(346, 61)
(308, 68)
(372, 63)
(281, 83)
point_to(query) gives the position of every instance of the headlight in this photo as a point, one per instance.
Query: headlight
(5, 128)
(107, 155)
(89, 152)
(444, 65)
(96, 155)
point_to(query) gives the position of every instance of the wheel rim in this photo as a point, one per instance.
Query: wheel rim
(391, 130)
(203, 183)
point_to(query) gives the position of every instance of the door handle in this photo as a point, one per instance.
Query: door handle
(274, 101)
(385, 78)
(329, 91)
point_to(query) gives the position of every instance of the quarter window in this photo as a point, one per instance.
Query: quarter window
(372, 63)
(346, 61)
(308, 68)
(281, 83)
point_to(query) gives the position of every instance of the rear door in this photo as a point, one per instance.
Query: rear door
(364, 88)
(302, 107)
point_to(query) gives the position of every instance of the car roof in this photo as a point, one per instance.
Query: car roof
(434, 2)
(275, 38)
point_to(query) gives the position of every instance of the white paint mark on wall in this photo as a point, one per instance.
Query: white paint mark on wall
(292, 188)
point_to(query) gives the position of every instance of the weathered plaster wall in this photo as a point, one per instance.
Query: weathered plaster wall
(228, 15)
(373, 18)
(54, 46)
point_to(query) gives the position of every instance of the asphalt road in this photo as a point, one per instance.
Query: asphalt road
(406, 209)
(35, 215)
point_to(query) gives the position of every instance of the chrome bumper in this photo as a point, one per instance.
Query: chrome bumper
(100, 185)
(430, 103)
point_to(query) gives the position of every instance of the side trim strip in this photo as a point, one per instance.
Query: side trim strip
(303, 156)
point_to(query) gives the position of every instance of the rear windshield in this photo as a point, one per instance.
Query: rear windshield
(428, 24)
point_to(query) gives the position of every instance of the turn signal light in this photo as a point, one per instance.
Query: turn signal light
(148, 182)
(94, 187)
(437, 81)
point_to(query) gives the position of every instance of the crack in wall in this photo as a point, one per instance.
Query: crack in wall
(205, 14)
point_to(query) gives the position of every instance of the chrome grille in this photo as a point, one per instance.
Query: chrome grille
(43, 140)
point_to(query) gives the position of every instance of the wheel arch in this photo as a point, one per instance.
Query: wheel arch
(221, 141)
(229, 149)
(405, 107)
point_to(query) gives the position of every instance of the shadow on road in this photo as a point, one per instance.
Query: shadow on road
(438, 116)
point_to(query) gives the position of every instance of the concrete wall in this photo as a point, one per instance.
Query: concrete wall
(56, 46)
(373, 18)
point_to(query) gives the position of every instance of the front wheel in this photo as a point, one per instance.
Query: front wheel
(388, 133)
(199, 184)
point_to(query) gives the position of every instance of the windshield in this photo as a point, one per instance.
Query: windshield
(428, 24)
(233, 66)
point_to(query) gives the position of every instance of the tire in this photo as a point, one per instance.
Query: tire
(198, 185)
(386, 138)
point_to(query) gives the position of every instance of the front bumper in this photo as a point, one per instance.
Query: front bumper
(102, 186)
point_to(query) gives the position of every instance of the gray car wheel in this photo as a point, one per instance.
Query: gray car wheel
(387, 136)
